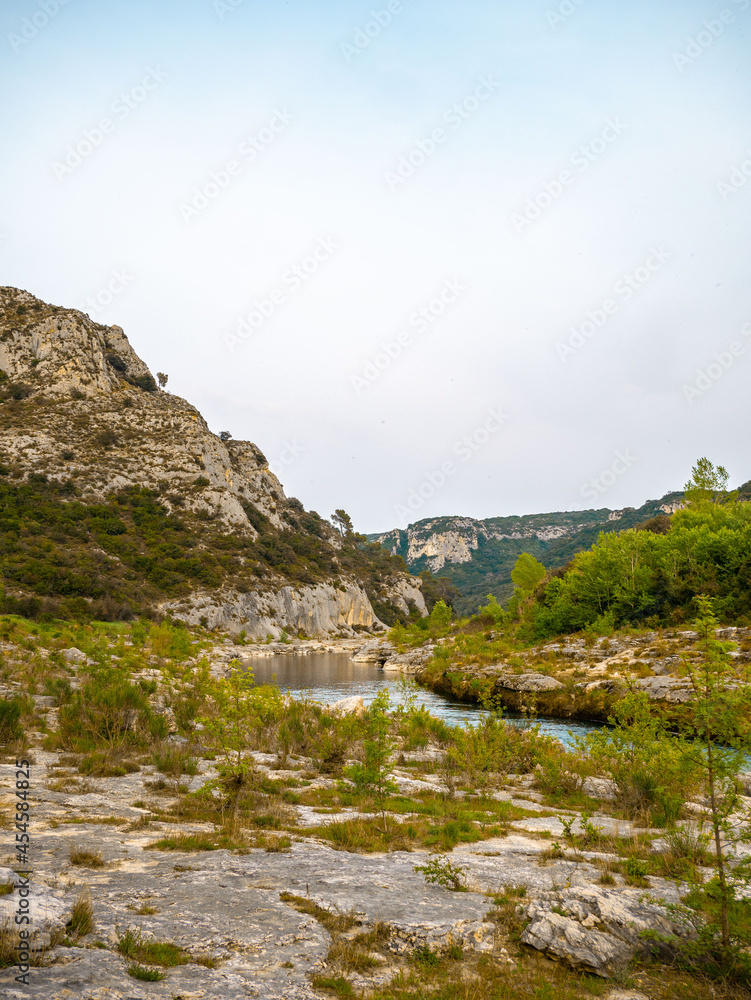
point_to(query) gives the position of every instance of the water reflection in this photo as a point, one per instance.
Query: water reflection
(328, 677)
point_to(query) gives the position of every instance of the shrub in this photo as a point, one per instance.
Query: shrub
(117, 363)
(107, 710)
(10, 715)
(83, 858)
(145, 382)
(145, 974)
(107, 438)
(81, 921)
(438, 870)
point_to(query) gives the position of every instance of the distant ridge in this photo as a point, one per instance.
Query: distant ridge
(478, 555)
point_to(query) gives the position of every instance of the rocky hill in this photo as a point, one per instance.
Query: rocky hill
(478, 556)
(116, 499)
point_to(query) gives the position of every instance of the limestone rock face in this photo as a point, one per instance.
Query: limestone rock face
(674, 690)
(83, 408)
(314, 610)
(48, 910)
(65, 349)
(454, 540)
(596, 929)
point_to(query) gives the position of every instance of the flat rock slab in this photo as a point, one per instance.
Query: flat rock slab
(228, 907)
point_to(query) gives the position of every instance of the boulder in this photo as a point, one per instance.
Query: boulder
(349, 706)
(410, 661)
(74, 655)
(599, 929)
(528, 682)
(374, 651)
(674, 690)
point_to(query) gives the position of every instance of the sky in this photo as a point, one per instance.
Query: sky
(434, 258)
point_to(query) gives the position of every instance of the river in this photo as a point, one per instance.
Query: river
(328, 677)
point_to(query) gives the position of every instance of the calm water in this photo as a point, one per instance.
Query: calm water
(328, 677)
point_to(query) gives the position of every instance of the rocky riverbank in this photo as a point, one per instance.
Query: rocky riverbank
(225, 908)
(572, 678)
(166, 864)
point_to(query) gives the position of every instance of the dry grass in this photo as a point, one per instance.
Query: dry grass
(81, 922)
(83, 858)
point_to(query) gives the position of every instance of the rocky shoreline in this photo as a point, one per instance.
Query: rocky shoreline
(225, 908)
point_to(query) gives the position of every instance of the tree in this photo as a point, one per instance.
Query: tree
(707, 483)
(527, 573)
(440, 617)
(719, 748)
(162, 379)
(342, 522)
(373, 774)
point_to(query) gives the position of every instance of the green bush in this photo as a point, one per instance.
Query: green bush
(10, 715)
(108, 710)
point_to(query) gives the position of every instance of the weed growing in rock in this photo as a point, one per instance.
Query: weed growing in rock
(438, 870)
(145, 974)
(83, 858)
(81, 920)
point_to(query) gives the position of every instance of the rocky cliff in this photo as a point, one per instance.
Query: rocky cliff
(478, 555)
(140, 507)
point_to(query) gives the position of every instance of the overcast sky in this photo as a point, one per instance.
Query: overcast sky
(478, 257)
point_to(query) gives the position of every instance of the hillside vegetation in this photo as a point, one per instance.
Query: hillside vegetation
(477, 557)
(117, 500)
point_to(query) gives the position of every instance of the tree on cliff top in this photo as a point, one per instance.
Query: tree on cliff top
(707, 482)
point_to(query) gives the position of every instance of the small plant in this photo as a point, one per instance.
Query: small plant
(438, 870)
(426, 956)
(107, 438)
(86, 859)
(10, 714)
(145, 974)
(133, 945)
(337, 985)
(81, 921)
(635, 871)
(373, 774)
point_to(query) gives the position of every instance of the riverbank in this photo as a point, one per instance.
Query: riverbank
(576, 678)
(303, 853)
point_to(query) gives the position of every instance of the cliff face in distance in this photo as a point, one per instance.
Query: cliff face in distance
(117, 498)
(478, 555)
